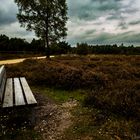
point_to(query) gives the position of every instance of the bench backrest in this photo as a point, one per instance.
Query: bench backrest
(2, 81)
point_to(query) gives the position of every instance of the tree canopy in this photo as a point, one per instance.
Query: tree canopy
(46, 17)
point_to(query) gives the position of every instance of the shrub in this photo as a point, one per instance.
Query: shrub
(53, 73)
(94, 79)
(123, 102)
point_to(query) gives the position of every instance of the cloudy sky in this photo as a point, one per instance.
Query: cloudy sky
(91, 21)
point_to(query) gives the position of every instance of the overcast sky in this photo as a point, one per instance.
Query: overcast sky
(91, 21)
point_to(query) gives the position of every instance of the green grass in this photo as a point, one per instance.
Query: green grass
(60, 95)
(95, 124)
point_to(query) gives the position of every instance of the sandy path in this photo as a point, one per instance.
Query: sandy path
(13, 61)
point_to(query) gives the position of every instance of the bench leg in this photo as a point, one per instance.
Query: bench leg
(32, 117)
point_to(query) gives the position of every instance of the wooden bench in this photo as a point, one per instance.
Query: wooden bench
(14, 92)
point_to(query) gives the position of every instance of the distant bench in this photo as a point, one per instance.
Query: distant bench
(14, 92)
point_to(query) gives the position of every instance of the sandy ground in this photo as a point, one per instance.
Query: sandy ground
(13, 61)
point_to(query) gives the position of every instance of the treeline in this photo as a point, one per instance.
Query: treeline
(18, 45)
(84, 48)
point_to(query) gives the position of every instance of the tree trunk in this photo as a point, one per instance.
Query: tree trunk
(47, 40)
(47, 48)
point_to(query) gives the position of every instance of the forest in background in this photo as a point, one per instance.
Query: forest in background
(21, 46)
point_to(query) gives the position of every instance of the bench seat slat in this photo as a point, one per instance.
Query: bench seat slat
(1, 73)
(2, 81)
(8, 97)
(19, 98)
(27, 91)
(3, 84)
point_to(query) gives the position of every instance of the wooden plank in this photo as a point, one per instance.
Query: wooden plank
(2, 81)
(27, 91)
(8, 97)
(19, 98)
(2, 70)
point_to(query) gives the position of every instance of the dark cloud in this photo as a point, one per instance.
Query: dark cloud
(109, 5)
(8, 12)
(106, 38)
(123, 10)
(134, 22)
(6, 19)
(110, 18)
(123, 25)
(110, 38)
(90, 32)
(92, 9)
(116, 15)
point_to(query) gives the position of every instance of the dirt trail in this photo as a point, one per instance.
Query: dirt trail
(13, 61)
(52, 119)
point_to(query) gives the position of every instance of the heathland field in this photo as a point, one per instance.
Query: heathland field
(98, 95)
